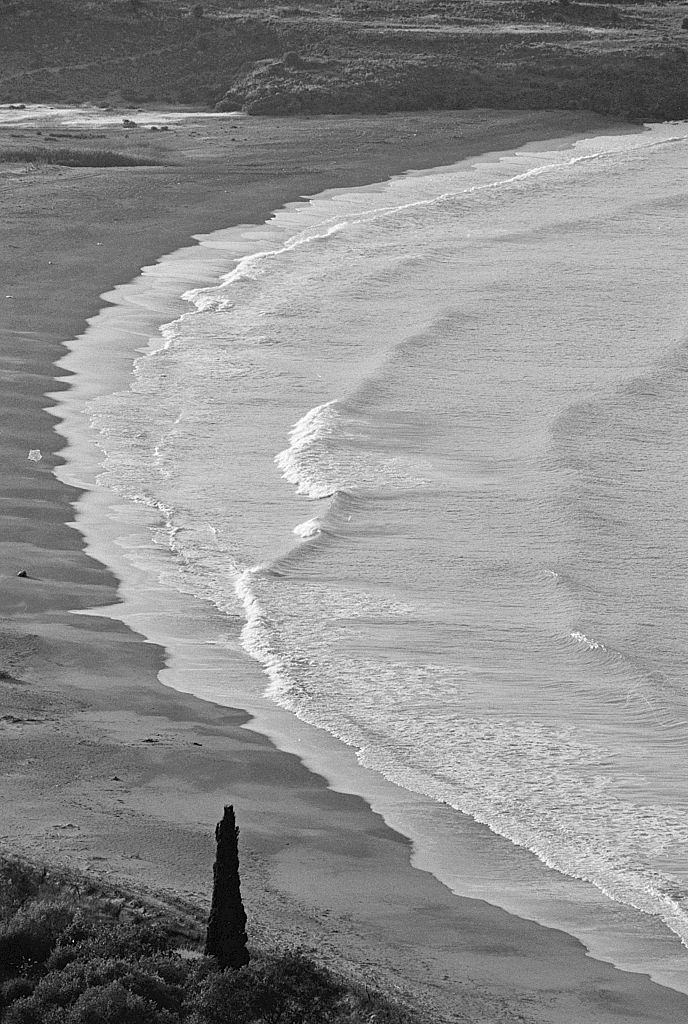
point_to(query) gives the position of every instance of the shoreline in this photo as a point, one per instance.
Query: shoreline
(130, 538)
(330, 835)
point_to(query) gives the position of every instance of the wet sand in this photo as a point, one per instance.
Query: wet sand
(105, 769)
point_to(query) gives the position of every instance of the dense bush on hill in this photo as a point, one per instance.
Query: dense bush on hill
(623, 57)
(70, 955)
(651, 88)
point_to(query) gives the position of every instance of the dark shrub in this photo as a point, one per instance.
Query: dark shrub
(61, 988)
(32, 932)
(65, 988)
(89, 936)
(290, 989)
(155, 981)
(15, 988)
(115, 1004)
(28, 1011)
(18, 883)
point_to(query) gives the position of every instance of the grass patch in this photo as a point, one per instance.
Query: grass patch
(74, 157)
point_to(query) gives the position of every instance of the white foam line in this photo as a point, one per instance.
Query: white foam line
(309, 429)
(208, 298)
(258, 637)
(261, 640)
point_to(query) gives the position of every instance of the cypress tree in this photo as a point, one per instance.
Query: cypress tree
(226, 938)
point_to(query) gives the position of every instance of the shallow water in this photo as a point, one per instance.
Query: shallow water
(88, 116)
(424, 450)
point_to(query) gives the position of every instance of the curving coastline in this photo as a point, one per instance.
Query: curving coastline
(106, 713)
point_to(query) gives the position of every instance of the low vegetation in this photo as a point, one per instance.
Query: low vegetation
(625, 57)
(73, 157)
(72, 953)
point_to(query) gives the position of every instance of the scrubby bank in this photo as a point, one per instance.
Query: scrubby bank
(71, 953)
(625, 57)
(651, 87)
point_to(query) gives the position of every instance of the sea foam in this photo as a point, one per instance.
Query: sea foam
(425, 617)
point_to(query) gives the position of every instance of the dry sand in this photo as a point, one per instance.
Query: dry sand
(102, 767)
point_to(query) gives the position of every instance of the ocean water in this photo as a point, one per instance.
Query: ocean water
(88, 116)
(423, 450)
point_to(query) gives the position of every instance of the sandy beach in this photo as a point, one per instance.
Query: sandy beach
(106, 770)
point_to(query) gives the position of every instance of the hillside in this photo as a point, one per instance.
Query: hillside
(626, 58)
(73, 952)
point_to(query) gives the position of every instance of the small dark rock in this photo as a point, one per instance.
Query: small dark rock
(23, 574)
